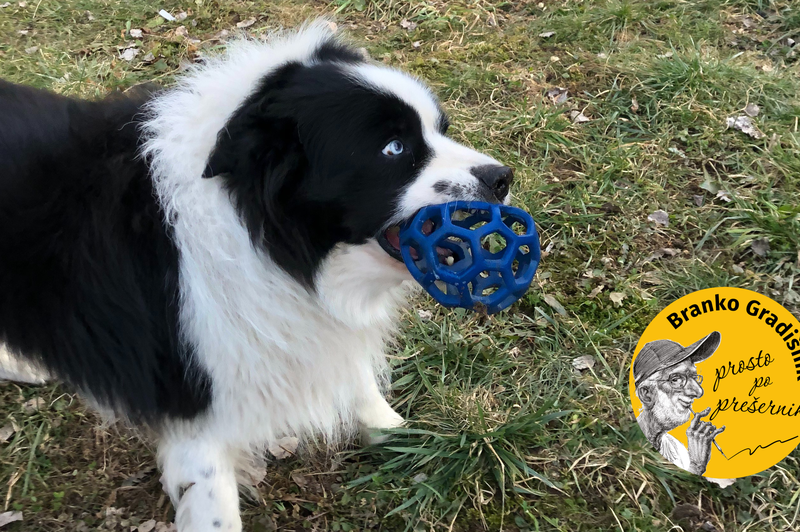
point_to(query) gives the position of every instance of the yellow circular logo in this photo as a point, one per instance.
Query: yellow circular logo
(715, 382)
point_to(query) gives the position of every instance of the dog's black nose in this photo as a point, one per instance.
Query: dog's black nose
(496, 178)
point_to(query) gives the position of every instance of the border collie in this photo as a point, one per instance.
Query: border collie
(218, 261)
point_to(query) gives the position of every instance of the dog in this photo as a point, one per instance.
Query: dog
(218, 261)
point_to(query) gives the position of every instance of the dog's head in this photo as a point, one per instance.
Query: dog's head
(334, 151)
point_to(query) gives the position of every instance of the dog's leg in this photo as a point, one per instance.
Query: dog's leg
(375, 413)
(16, 369)
(199, 477)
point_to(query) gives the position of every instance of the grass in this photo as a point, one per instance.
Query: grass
(505, 434)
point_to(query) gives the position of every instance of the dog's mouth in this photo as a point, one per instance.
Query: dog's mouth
(390, 242)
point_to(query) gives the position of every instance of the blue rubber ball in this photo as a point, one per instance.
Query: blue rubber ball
(470, 254)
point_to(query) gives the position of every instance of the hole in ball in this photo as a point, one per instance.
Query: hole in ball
(494, 243)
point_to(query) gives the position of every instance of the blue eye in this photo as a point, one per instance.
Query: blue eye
(395, 147)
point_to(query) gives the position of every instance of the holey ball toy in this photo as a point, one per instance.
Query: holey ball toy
(470, 254)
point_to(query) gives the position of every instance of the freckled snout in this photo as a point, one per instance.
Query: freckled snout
(495, 180)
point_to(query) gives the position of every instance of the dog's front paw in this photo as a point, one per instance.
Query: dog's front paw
(372, 425)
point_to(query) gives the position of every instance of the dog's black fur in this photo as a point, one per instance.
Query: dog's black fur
(88, 269)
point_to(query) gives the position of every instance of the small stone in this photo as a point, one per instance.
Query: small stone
(136, 33)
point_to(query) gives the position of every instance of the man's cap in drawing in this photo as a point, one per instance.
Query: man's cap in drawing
(661, 354)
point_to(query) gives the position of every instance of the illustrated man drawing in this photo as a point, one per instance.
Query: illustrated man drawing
(667, 383)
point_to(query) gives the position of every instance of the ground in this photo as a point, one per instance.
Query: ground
(505, 433)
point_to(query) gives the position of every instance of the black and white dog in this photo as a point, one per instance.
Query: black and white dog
(217, 261)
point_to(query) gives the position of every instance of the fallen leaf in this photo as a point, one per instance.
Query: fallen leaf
(698, 200)
(31, 50)
(578, 117)
(710, 186)
(33, 405)
(557, 95)
(246, 23)
(138, 477)
(661, 253)
(407, 25)
(616, 298)
(583, 362)
(283, 447)
(724, 196)
(760, 246)
(255, 475)
(6, 432)
(596, 291)
(136, 33)
(659, 217)
(752, 109)
(10, 517)
(745, 125)
(129, 54)
(166, 16)
(547, 34)
(299, 479)
(554, 304)
(147, 526)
